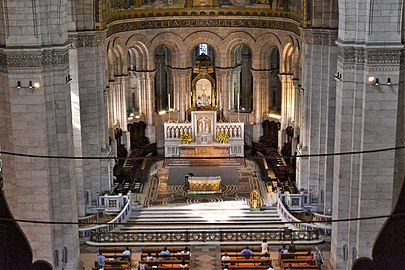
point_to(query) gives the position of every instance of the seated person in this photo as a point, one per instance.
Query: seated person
(270, 267)
(127, 254)
(247, 252)
(149, 257)
(224, 259)
(183, 264)
(265, 259)
(100, 260)
(283, 250)
(141, 266)
(292, 247)
(309, 256)
(153, 261)
(290, 267)
(165, 252)
(186, 251)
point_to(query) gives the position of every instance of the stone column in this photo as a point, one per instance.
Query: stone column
(39, 122)
(260, 96)
(225, 90)
(148, 78)
(365, 120)
(287, 106)
(317, 129)
(181, 89)
(89, 115)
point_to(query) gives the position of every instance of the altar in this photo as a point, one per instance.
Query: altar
(205, 137)
(204, 185)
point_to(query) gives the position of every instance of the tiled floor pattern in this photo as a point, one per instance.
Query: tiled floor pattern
(205, 257)
(160, 193)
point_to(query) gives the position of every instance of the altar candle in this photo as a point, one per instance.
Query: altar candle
(169, 101)
(237, 101)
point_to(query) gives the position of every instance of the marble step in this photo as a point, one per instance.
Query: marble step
(235, 227)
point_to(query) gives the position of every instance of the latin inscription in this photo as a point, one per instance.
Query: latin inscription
(184, 23)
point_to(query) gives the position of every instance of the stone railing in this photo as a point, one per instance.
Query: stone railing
(201, 235)
(323, 229)
(173, 131)
(83, 221)
(85, 233)
(235, 131)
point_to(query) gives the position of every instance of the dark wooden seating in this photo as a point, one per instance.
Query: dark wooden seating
(298, 264)
(301, 253)
(115, 265)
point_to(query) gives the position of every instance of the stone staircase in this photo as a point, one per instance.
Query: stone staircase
(227, 220)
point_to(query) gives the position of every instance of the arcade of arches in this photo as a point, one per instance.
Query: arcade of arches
(298, 77)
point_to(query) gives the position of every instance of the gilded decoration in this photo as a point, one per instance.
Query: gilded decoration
(148, 23)
(123, 9)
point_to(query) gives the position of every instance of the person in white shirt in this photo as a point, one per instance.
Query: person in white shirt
(224, 259)
(270, 267)
(186, 251)
(265, 246)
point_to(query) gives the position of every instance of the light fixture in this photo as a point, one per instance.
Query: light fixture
(68, 78)
(338, 76)
(377, 82)
(276, 116)
(18, 84)
(371, 79)
(36, 85)
(389, 81)
(30, 85)
(161, 112)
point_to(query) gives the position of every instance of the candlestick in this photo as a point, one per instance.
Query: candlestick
(169, 101)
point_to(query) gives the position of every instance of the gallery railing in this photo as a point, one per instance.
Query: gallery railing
(324, 229)
(220, 235)
(86, 233)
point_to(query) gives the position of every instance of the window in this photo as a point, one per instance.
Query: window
(202, 49)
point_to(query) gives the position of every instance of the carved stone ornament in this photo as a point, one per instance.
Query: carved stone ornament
(42, 60)
(369, 56)
(86, 40)
(320, 38)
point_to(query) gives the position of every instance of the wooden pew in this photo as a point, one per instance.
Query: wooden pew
(298, 264)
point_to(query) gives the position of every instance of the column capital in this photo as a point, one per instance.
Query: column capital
(260, 74)
(141, 74)
(319, 36)
(224, 72)
(180, 72)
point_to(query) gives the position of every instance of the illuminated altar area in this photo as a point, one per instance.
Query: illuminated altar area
(204, 130)
(202, 135)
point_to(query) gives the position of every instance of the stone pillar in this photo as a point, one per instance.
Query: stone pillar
(260, 96)
(317, 129)
(287, 106)
(39, 122)
(89, 116)
(225, 90)
(148, 78)
(365, 120)
(181, 89)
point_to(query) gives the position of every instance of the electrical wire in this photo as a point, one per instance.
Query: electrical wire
(159, 157)
(393, 216)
